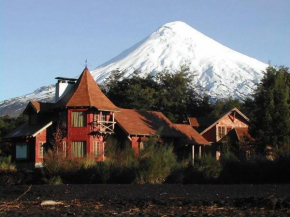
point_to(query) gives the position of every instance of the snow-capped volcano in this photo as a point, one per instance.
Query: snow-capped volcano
(220, 71)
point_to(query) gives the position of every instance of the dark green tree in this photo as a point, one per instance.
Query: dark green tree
(224, 105)
(170, 93)
(177, 95)
(135, 92)
(270, 114)
(7, 124)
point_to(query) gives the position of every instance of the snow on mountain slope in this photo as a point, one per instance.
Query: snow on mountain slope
(220, 71)
(15, 106)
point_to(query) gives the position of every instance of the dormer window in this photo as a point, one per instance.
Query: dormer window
(33, 119)
(78, 119)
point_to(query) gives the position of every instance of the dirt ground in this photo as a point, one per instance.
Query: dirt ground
(145, 200)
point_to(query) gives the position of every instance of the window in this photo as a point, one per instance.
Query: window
(78, 149)
(141, 146)
(40, 149)
(21, 151)
(96, 116)
(221, 132)
(78, 119)
(97, 151)
(103, 116)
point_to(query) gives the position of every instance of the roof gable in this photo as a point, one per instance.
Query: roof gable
(224, 115)
(36, 107)
(86, 93)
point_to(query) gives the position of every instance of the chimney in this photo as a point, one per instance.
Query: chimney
(62, 87)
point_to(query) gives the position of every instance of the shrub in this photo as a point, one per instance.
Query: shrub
(87, 162)
(125, 167)
(205, 170)
(177, 174)
(56, 163)
(102, 172)
(6, 165)
(156, 162)
(55, 180)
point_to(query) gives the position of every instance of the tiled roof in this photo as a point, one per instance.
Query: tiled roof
(27, 130)
(237, 134)
(243, 133)
(145, 123)
(193, 137)
(201, 121)
(37, 106)
(86, 93)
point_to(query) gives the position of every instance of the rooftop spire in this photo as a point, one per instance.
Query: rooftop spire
(86, 93)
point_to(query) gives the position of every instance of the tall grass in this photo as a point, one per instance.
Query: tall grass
(6, 165)
(157, 164)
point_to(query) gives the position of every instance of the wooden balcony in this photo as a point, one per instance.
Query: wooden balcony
(102, 127)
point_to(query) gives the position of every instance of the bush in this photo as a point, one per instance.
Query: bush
(156, 162)
(205, 170)
(177, 174)
(6, 165)
(125, 167)
(55, 180)
(56, 164)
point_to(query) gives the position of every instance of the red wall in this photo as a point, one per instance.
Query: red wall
(210, 135)
(82, 134)
(135, 141)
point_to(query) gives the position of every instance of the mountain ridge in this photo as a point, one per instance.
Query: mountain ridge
(220, 71)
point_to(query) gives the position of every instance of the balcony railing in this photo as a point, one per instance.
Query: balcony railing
(106, 127)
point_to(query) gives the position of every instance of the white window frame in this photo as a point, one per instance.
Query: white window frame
(40, 149)
(103, 117)
(64, 148)
(96, 149)
(84, 147)
(221, 131)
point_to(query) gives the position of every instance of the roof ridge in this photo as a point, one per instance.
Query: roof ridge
(87, 87)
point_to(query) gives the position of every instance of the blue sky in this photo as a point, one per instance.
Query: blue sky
(40, 39)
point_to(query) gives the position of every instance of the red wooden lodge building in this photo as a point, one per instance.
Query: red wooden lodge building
(84, 117)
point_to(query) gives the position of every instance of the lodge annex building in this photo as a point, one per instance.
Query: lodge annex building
(84, 117)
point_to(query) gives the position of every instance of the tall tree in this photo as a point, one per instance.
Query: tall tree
(135, 92)
(224, 105)
(271, 108)
(177, 94)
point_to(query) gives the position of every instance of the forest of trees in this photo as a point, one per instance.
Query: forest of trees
(175, 96)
